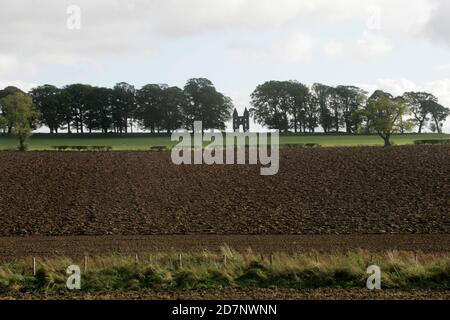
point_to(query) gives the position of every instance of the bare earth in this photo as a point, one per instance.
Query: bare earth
(317, 191)
(74, 246)
(255, 294)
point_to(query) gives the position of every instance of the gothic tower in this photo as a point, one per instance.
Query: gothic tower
(243, 121)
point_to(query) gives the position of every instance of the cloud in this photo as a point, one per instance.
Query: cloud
(22, 85)
(440, 88)
(36, 30)
(7, 63)
(371, 44)
(438, 25)
(295, 47)
(444, 67)
(397, 86)
(333, 48)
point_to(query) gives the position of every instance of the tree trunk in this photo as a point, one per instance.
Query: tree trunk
(438, 127)
(348, 126)
(295, 124)
(420, 127)
(387, 141)
(21, 144)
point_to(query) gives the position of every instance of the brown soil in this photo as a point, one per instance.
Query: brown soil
(77, 246)
(318, 191)
(259, 294)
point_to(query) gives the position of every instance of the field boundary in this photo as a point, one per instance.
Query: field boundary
(78, 246)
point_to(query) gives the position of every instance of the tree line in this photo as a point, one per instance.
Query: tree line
(157, 108)
(292, 106)
(282, 105)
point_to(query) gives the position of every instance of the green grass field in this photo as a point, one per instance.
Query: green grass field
(146, 141)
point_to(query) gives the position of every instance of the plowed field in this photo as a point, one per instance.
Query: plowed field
(317, 191)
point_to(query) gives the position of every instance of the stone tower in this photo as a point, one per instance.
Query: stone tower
(243, 121)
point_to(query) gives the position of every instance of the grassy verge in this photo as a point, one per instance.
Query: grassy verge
(200, 271)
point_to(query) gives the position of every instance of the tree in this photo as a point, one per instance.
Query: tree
(300, 107)
(438, 114)
(160, 107)
(124, 106)
(98, 115)
(206, 104)
(349, 100)
(149, 106)
(419, 105)
(73, 100)
(174, 101)
(21, 115)
(336, 110)
(272, 102)
(3, 93)
(321, 95)
(384, 114)
(47, 100)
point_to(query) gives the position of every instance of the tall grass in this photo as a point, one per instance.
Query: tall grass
(206, 270)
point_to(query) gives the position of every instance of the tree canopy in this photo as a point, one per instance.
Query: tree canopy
(20, 115)
(384, 114)
(281, 105)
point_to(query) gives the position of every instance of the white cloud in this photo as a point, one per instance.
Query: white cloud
(22, 85)
(371, 44)
(7, 63)
(333, 48)
(397, 86)
(440, 88)
(444, 67)
(297, 46)
(438, 25)
(37, 29)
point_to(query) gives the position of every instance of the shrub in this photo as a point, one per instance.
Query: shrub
(158, 148)
(295, 146)
(312, 145)
(100, 148)
(60, 148)
(432, 141)
(79, 148)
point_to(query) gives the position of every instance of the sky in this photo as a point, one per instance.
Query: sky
(393, 45)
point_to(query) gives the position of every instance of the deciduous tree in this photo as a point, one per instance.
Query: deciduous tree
(384, 115)
(47, 99)
(206, 104)
(21, 115)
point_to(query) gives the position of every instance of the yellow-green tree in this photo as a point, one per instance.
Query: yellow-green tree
(19, 112)
(385, 115)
